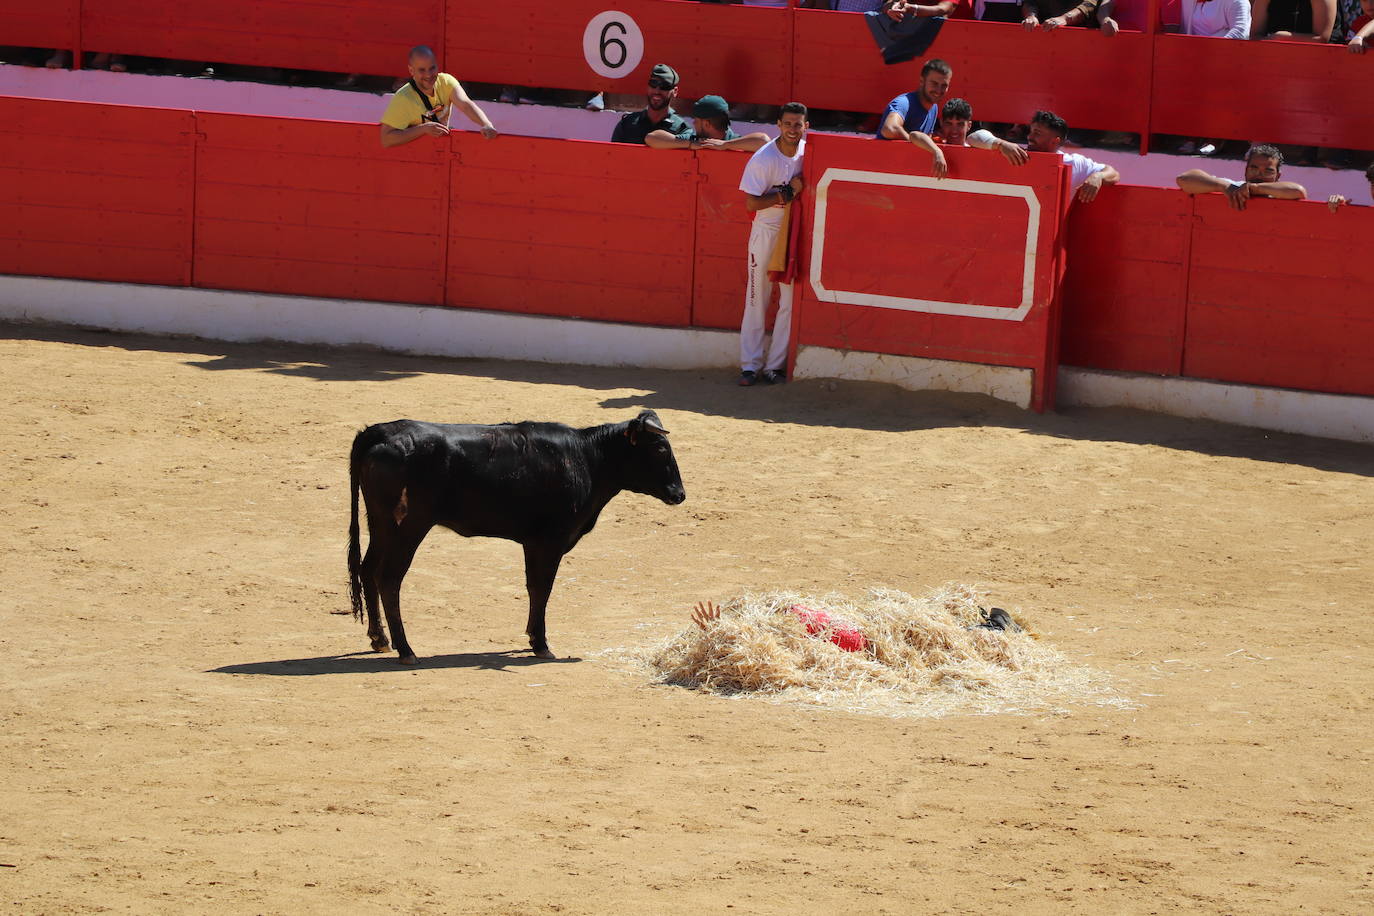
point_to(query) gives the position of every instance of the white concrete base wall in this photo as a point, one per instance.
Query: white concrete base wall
(916, 373)
(221, 315)
(243, 317)
(1334, 416)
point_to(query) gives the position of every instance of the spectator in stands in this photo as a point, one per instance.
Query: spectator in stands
(423, 107)
(955, 120)
(997, 10)
(658, 114)
(1263, 166)
(1362, 28)
(1054, 14)
(710, 130)
(772, 178)
(1046, 135)
(956, 117)
(915, 115)
(1336, 201)
(1293, 20)
(1217, 18)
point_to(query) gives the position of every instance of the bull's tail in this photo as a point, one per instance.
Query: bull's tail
(355, 554)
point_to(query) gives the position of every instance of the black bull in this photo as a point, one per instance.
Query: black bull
(539, 484)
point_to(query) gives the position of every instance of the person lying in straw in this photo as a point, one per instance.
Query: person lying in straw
(843, 634)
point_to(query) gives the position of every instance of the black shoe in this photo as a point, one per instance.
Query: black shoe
(997, 619)
(747, 378)
(774, 376)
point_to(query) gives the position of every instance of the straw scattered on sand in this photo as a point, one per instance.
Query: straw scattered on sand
(924, 657)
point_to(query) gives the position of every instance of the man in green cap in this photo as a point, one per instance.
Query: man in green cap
(658, 115)
(710, 130)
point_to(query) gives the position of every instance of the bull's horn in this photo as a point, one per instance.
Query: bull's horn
(651, 422)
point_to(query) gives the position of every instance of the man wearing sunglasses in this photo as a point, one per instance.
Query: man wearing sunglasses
(658, 114)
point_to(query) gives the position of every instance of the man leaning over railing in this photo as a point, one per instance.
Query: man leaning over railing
(1263, 168)
(424, 105)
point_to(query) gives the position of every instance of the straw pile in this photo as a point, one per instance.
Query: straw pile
(924, 657)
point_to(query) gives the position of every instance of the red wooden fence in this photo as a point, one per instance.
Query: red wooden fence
(573, 228)
(99, 192)
(346, 36)
(1156, 281)
(318, 208)
(1281, 92)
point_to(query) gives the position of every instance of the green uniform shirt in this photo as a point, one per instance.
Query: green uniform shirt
(635, 126)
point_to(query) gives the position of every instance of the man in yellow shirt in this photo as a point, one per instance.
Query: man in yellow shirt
(423, 106)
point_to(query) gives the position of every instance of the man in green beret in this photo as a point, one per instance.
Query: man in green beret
(658, 114)
(710, 130)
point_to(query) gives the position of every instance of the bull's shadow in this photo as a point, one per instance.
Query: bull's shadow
(385, 663)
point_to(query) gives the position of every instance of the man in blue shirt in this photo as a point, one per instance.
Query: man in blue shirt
(915, 116)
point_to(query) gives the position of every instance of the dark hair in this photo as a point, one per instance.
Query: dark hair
(957, 108)
(721, 122)
(1369, 173)
(1051, 122)
(793, 108)
(1264, 149)
(938, 65)
(420, 51)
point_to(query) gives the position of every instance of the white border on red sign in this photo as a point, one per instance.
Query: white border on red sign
(932, 306)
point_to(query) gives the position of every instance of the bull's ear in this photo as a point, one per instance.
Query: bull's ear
(650, 421)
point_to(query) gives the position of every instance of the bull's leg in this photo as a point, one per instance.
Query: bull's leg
(374, 617)
(394, 567)
(541, 567)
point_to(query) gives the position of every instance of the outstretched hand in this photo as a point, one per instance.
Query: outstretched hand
(705, 613)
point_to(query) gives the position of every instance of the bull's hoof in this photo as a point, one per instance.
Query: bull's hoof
(407, 660)
(544, 653)
(380, 644)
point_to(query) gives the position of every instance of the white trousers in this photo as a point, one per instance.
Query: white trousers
(756, 295)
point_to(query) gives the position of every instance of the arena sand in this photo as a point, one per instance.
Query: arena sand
(190, 726)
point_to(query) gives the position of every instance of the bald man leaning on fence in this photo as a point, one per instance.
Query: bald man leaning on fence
(424, 105)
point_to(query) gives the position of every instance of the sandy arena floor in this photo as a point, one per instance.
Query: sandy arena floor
(190, 727)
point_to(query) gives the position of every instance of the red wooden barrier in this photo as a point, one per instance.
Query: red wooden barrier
(1266, 91)
(722, 232)
(99, 192)
(567, 227)
(1279, 296)
(1127, 279)
(960, 269)
(317, 208)
(51, 24)
(1088, 79)
(345, 36)
(743, 53)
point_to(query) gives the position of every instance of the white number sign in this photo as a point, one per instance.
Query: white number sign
(612, 44)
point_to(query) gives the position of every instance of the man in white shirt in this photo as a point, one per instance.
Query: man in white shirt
(1047, 133)
(771, 179)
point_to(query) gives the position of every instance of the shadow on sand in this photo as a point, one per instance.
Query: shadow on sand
(385, 663)
(843, 405)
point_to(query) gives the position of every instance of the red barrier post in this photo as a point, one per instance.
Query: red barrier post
(111, 202)
(318, 208)
(1305, 320)
(579, 229)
